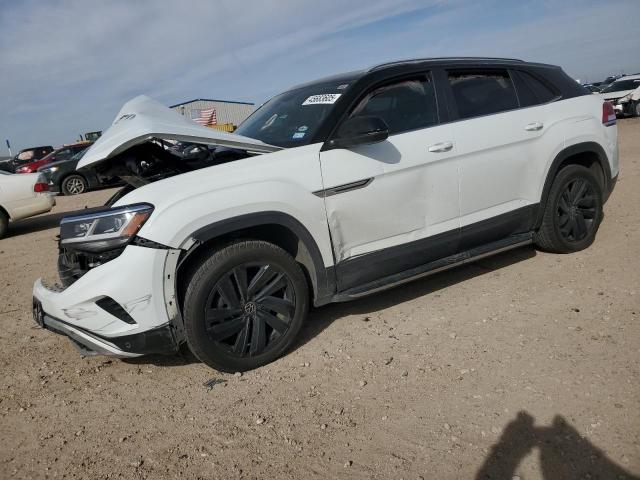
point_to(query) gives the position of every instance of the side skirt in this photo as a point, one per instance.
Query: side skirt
(431, 268)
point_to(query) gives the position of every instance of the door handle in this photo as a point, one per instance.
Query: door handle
(441, 147)
(533, 127)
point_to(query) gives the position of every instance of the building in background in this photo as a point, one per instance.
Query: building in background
(219, 114)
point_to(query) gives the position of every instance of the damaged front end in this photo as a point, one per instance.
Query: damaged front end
(147, 142)
(115, 297)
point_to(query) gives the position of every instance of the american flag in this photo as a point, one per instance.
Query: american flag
(204, 116)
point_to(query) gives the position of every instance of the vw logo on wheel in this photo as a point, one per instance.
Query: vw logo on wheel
(250, 308)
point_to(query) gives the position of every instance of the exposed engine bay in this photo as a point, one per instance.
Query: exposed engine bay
(157, 159)
(138, 166)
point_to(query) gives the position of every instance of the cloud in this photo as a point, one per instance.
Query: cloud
(68, 65)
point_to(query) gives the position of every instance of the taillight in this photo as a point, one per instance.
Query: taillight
(608, 114)
(41, 187)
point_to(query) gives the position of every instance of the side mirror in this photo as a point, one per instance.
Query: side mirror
(359, 131)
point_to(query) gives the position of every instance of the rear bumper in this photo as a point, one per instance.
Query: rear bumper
(41, 203)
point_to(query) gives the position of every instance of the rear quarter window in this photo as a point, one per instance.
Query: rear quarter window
(531, 90)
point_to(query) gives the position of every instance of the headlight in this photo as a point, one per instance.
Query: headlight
(105, 229)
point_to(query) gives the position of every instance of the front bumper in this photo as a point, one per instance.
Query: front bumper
(157, 340)
(132, 321)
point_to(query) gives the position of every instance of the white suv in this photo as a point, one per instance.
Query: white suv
(330, 191)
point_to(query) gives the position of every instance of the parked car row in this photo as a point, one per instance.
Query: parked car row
(23, 157)
(62, 177)
(62, 153)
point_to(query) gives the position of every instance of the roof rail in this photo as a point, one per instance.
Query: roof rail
(419, 60)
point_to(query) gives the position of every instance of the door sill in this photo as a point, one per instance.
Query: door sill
(436, 266)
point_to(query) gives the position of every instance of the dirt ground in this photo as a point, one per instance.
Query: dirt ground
(524, 365)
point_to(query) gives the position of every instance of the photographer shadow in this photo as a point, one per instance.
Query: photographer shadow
(563, 453)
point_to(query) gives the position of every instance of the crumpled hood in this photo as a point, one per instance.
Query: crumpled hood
(619, 94)
(143, 118)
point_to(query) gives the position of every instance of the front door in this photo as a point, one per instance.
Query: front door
(393, 205)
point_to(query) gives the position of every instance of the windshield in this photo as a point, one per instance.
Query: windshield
(622, 85)
(79, 154)
(292, 118)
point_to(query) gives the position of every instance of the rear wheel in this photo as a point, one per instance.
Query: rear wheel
(636, 109)
(573, 212)
(244, 306)
(74, 185)
(4, 223)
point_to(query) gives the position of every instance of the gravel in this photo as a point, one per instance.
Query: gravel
(527, 368)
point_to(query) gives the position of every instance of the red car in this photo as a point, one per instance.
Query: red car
(62, 153)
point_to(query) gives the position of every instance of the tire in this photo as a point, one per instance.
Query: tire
(235, 328)
(74, 185)
(4, 223)
(573, 211)
(636, 109)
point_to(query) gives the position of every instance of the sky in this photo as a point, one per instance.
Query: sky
(69, 65)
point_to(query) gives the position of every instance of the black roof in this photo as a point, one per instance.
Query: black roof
(434, 60)
(349, 77)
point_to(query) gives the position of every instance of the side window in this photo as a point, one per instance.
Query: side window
(482, 92)
(532, 91)
(406, 105)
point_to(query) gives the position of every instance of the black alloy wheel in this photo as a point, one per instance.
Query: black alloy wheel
(244, 305)
(577, 210)
(250, 308)
(572, 212)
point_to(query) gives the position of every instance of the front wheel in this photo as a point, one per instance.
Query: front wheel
(573, 211)
(74, 185)
(244, 306)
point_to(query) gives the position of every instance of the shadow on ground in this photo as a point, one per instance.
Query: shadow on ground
(563, 453)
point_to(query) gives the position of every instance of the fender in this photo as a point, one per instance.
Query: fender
(322, 278)
(583, 147)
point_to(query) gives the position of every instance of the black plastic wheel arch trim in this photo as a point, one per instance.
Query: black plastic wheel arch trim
(322, 278)
(584, 147)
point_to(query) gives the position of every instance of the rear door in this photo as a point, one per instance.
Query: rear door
(497, 143)
(393, 205)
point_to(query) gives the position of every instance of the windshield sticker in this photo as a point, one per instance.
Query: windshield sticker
(325, 98)
(303, 128)
(298, 135)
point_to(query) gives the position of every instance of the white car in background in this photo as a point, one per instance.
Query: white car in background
(624, 94)
(22, 196)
